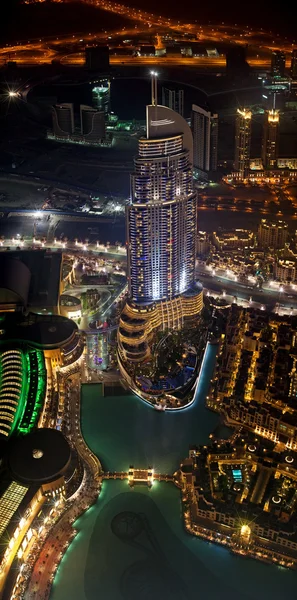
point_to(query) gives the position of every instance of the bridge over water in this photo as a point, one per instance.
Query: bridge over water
(139, 476)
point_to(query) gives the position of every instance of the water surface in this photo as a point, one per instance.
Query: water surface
(131, 544)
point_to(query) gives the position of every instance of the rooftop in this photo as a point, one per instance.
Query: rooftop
(44, 268)
(43, 331)
(41, 456)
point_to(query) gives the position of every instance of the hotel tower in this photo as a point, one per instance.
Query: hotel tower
(243, 142)
(161, 234)
(270, 139)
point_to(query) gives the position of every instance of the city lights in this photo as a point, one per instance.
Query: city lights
(191, 306)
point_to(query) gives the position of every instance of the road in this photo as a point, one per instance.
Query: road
(70, 49)
(22, 239)
(268, 297)
(81, 229)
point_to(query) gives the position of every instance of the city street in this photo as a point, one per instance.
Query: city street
(270, 297)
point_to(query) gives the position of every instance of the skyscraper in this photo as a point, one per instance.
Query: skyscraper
(236, 63)
(243, 142)
(161, 235)
(270, 139)
(294, 64)
(92, 123)
(101, 95)
(278, 63)
(174, 99)
(205, 141)
(162, 218)
(63, 120)
(97, 58)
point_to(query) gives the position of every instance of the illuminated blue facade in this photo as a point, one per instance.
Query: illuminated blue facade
(162, 217)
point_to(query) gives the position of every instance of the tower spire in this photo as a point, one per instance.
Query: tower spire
(154, 88)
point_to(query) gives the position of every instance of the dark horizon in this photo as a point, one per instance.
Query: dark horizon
(257, 15)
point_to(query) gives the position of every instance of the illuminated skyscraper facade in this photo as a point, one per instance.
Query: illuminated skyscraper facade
(205, 139)
(162, 221)
(173, 99)
(278, 63)
(161, 235)
(101, 95)
(294, 65)
(270, 139)
(243, 142)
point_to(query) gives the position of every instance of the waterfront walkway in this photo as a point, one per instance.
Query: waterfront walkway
(40, 571)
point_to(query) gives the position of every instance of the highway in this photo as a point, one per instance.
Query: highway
(269, 298)
(22, 239)
(69, 49)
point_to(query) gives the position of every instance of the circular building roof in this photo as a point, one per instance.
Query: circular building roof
(43, 331)
(15, 280)
(51, 333)
(39, 457)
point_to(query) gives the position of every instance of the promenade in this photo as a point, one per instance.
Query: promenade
(38, 572)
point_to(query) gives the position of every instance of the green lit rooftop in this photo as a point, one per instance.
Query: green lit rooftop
(22, 388)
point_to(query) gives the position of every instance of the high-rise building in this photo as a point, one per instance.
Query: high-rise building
(205, 141)
(243, 142)
(97, 58)
(162, 218)
(174, 99)
(236, 64)
(63, 120)
(92, 123)
(278, 63)
(270, 139)
(101, 95)
(272, 235)
(161, 235)
(294, 64)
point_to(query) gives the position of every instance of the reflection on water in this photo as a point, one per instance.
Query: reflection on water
(123, 430)
(131, 544)
(143, 556)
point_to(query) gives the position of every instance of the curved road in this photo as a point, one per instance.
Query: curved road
(268, 297)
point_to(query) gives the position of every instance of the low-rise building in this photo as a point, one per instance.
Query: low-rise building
(235, 238)
(272, 234)
(285, 270)
(242, 494)
(203, 243)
